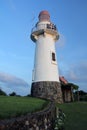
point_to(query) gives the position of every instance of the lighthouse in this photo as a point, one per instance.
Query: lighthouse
(45, 75)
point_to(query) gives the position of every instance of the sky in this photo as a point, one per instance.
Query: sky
(18, 17)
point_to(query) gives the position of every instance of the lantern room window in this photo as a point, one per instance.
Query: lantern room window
(51, 26)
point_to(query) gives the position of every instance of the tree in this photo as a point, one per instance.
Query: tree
(12, 94)
(2, 92)
(82, 95)
(75, 87)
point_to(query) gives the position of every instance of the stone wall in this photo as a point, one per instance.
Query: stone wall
(47, 90)
(42, 120)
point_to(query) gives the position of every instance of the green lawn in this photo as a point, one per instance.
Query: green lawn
(76, 115)
(16, 106)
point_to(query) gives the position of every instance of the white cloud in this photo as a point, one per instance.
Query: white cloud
(10, 83)
(76, 73)
(12, 80)
(61, 42)
(72, 75)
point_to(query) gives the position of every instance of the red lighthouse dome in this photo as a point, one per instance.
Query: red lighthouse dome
(44, 16)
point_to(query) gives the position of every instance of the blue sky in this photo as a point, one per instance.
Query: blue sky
(17, 17)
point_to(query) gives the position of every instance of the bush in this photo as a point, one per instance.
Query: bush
(2, 93)
(60, 120)
(83, 98)
(12, 94)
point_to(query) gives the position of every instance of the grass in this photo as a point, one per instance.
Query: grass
(16, 106)
(76, 115)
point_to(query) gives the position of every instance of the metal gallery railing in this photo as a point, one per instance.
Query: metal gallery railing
(44, 26)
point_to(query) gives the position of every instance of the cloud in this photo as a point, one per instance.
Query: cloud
(10, 83)
(72, 75)
(12, 80)
(76, 73)
(79, 72)
(61, 42)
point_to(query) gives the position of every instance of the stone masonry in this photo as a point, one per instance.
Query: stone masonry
(43, 120)
(47, 90)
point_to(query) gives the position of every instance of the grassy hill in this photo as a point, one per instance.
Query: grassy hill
(12, 106)
(76, 115)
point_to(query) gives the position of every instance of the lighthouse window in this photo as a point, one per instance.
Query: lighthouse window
(51, 26)
(53, 56)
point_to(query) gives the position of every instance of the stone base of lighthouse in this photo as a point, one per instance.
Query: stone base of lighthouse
(47, 90)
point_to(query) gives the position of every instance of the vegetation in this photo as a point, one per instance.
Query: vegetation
(80, 95)
(75, 87)
(12, 106)
(60, 120)
(2, 92)
(76, 115)
(12, 94)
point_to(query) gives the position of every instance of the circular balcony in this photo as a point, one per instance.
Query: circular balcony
(40, 29)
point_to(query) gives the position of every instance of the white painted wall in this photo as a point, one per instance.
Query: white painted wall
(44, 68)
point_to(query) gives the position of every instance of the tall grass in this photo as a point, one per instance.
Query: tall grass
(16, 106)
(76, 115)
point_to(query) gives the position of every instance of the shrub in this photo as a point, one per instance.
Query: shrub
(12, 94)
(2, 93)
(60, 119)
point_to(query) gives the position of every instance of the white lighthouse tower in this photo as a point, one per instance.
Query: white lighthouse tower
(45, 77)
